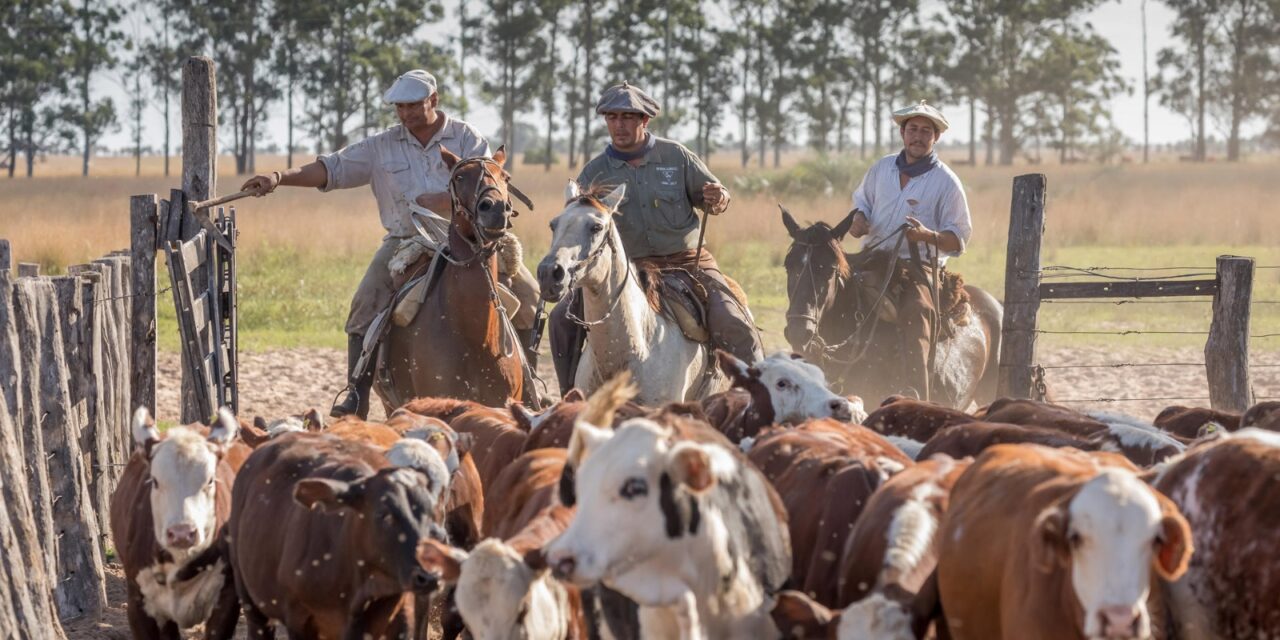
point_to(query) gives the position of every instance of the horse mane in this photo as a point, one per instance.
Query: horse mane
(594, 194)
(820, 233)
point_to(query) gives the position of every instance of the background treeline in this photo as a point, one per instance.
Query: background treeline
(759, 76)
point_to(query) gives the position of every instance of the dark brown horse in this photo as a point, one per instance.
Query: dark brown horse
(835, 318)
(458, 344)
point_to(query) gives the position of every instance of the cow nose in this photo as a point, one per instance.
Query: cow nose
(180, 536)
(840, 410)
(1119, 622)
(564, 567)
(424, 581)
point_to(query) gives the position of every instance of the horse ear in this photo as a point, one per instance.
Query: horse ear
(572, 191)
(500, 156)
(841, 229)
(614, 198)
(789, 222)
(449, 158)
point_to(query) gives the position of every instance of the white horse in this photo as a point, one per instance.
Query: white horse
(626, 333)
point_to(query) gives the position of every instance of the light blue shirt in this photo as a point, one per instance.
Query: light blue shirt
(935, 198)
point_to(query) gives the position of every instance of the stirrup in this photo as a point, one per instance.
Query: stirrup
(335, 412)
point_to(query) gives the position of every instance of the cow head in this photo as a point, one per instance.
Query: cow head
(1108, 537)
(397, 509)
(183, 474)
(500, 594)
(789, 388)
(637, 495)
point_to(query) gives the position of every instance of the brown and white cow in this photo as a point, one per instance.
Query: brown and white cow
(1187, 422)
(172, 499)
(687, 529)
(1229, 491)
(913, 419)
(323, 537)
(1264, 415)
(824, 472)
(1055, 543)
(780, 389)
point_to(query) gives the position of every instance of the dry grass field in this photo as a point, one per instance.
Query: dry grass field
(303, 251)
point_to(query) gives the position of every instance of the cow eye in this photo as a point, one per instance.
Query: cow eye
(1074, 539)
(634, 488)
(784, 383)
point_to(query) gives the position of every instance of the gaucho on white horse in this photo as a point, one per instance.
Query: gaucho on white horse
(639, 201)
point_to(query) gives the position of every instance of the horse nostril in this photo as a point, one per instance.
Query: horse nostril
(565, 567)
(557, 273)
(485, 205)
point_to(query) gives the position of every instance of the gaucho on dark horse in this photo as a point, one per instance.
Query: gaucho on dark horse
(890, 319)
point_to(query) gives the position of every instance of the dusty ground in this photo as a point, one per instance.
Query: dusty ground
(289, 381)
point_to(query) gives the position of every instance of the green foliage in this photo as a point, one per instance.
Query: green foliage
(812, 178)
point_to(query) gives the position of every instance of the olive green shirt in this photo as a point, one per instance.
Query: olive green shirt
(656, 216)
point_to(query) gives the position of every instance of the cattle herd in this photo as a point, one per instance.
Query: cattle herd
(776, 509)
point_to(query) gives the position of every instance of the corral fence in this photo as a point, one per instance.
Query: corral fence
(1029, 285)
(65, 400)
(78, 356)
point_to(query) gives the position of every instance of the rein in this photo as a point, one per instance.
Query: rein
(585, 264)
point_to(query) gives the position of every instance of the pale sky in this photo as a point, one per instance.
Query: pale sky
(1118, 21)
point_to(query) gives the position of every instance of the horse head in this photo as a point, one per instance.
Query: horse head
(816, 266)
(481, 193)
(583, 241)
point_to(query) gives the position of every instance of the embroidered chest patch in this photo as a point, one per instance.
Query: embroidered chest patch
(667, 176)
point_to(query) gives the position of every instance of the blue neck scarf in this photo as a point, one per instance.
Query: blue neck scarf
(626, 156)
(917, 168)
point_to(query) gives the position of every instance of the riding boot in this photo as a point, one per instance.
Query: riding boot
(567, 339)
(357, 399)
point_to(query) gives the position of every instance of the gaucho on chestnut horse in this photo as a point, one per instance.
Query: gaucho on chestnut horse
(842, 315)
(456, 339)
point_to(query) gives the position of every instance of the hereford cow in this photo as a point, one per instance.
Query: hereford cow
(1229, 491)
(913, 419)
(687, 529)
(1055, 543)
(781, 389)
(1187, 422)
(495, 441)
(824, 472)
(553, 427)
(973, 438)
(172, 499)
(1264, 415)
(324, 534)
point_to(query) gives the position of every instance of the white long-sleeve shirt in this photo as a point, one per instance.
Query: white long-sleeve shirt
(935, 198)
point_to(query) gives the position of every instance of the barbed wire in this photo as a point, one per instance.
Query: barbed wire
(1120, 365)
(1133, 332)
(133, 295)
(1152, 399)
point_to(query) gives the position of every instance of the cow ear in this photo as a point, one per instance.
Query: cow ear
(449, 157)
(574, 395)
(500, 156)
(572, 191)
(838, 232)
(1049, 546)
(737, 370)
(441, 559)
(614, 198)
(223, 430)
(523, 416)
(260, 422)
(311, 420)
(797, 616)
(327, 494)
(463, 442)
(145, 433)
(691, 466)
(536, 560)
(585, 439)
(1173, 542)
(789, 222)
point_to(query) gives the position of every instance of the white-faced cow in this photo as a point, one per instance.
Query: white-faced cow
(1055, 544)
(173, 498)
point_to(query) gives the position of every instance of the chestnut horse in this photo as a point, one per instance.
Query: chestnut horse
(833, 319)
(459, 345)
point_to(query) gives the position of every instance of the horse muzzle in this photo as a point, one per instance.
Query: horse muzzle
(553, 280)
(492, 216)
(800, 334)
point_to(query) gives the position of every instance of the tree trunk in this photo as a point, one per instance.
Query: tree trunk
(13, 140)
(876, 107)
(551, 91)
(84, 92)
(289, 111)
(462, 57)
(1201, 64)
(745, 111)
(1146, 92)
(137, 124)
(989, 135)
(862, 148)
(29, 126)
(973, 131)
(1237, 84)
(165, 90)
(587, 89)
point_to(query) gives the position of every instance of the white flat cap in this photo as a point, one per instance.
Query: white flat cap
(414, 86)
(922, 110)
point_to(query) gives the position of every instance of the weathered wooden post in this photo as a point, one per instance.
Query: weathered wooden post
(199, 175)
(143, 227)
(1022, 286)
(28, 269)
(6, 255)
(1226, 352)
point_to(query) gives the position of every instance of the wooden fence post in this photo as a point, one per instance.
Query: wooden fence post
(1226, 352)
(28, 269)
(1022, 286)
(199, 174)
(6, 255)
(143, 224)
(23, 562)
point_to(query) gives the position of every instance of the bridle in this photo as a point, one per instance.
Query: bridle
(587, 262)
(487, 183)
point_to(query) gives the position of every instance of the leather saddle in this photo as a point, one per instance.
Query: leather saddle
(682, 297)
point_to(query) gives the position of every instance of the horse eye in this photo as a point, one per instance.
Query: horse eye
(584, 200)
(634, 488)
(597, 228)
